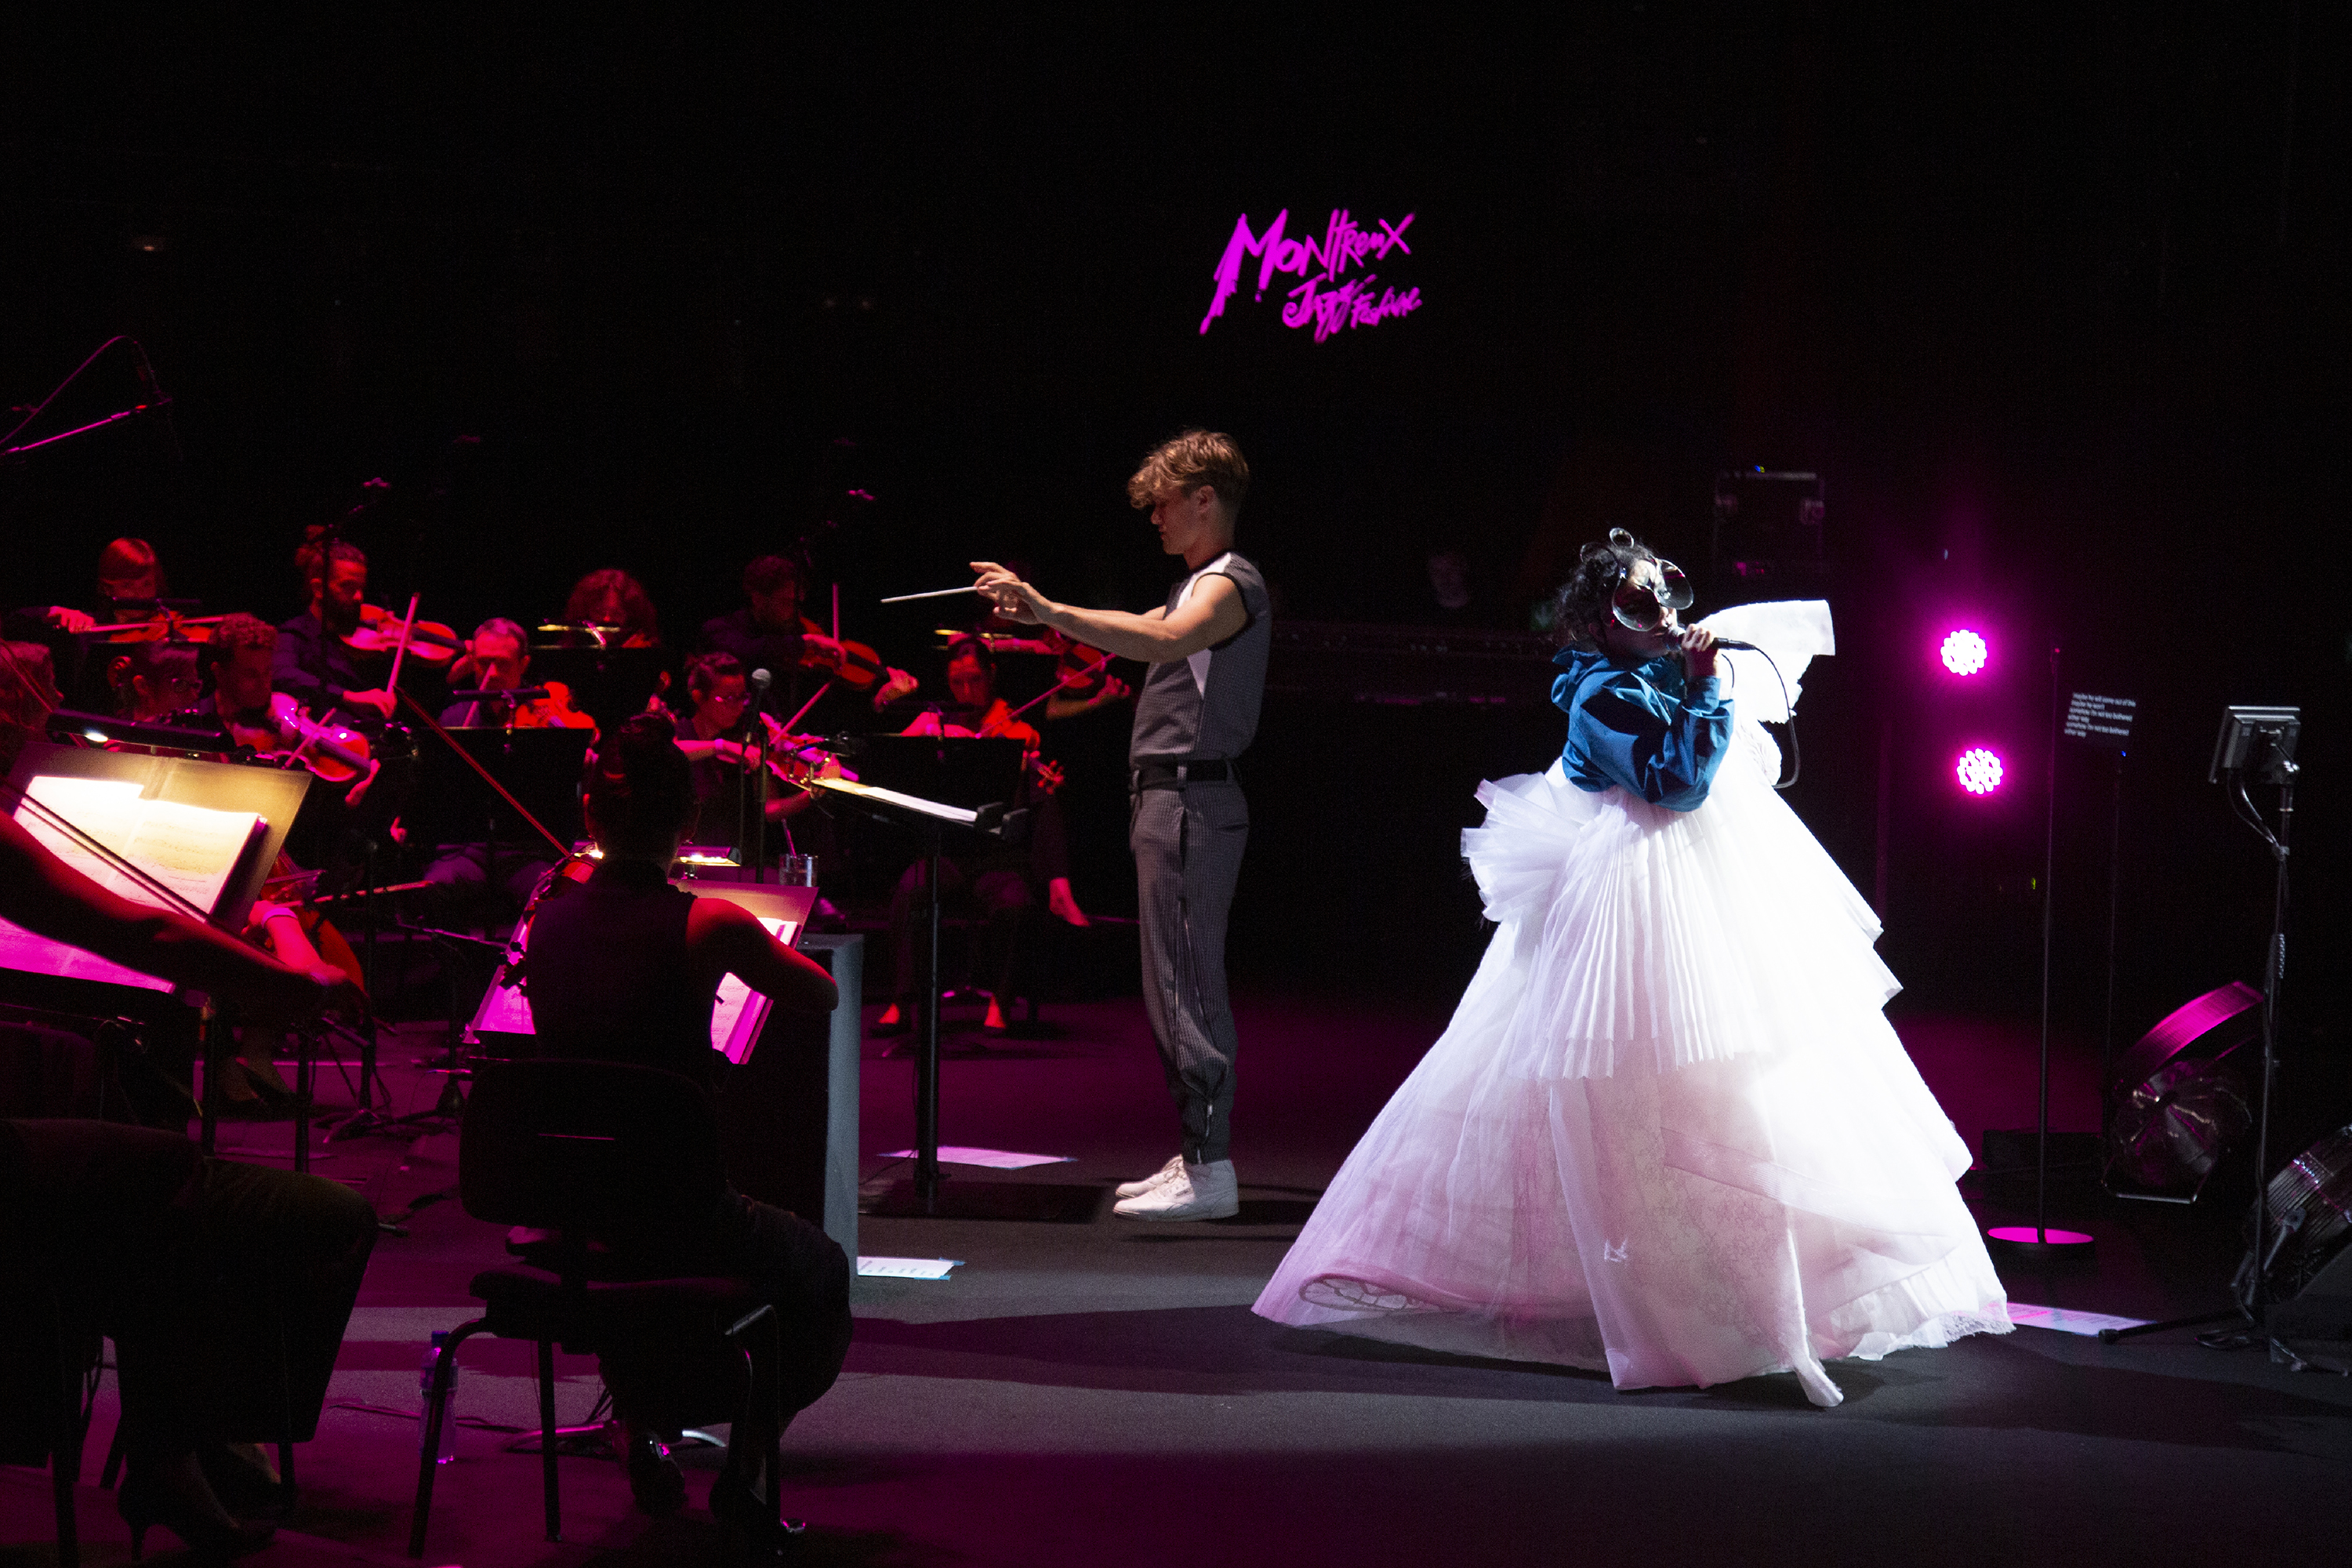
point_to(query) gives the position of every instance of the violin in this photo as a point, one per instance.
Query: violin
(166, 624)
(1080, 671)
(379, 632)
(287, 737)
(858, 668)
(288, 882)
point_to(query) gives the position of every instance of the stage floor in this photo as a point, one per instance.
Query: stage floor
(1098, 1394)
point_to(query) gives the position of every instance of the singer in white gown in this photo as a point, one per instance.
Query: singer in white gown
(1669, 1132)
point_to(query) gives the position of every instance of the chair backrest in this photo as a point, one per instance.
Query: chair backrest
(601, 1148)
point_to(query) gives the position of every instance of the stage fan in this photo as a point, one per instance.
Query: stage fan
(2180, 1102)
(2310, 1205)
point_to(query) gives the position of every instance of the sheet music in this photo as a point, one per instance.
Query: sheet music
(188, 848)
(905, 801)
(736, 1014)
(734, 997)
(38, 954)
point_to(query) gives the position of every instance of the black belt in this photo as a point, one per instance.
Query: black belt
(1176, 775)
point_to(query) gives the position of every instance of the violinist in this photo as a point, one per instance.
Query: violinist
(496, 876)
(1083, 683)
(128, 571)
(718, 744)
(154, 680)
(771, 633)
(1002, 882)
(242, 654)
(314, 663)
(614, 603)
(497, 659)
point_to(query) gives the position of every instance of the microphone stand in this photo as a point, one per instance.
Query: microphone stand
(2251, 1314)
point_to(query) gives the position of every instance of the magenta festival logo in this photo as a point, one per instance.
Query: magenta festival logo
(1325, 297)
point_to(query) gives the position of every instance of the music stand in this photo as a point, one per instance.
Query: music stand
(64, 977)
(540, 768)
(988, 773)
(952, 770)
(608, 684)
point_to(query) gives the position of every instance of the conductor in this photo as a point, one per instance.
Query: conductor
(1187, 819)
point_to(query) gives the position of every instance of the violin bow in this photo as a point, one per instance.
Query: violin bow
(400, 650)
(1075, 674)
(792, 724)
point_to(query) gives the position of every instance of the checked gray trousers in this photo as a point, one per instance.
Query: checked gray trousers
(1188, 854)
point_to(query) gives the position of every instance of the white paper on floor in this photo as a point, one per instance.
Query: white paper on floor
(2067, 1322)
(906, 1267)
(994, 1159)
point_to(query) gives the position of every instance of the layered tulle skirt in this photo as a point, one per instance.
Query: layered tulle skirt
(1669, 1132)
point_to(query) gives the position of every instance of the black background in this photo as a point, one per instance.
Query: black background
(2053, 295)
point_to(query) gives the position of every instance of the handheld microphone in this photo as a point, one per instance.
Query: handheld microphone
(1734, 642)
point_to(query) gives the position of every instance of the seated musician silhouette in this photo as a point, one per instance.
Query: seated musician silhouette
(625, 967)
(174, 1255)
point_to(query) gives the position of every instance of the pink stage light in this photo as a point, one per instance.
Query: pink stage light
(1965, 652)
(1979, 771)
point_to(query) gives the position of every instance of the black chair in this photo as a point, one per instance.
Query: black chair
(47, 1383)
(618, 1160)
(49, 1341)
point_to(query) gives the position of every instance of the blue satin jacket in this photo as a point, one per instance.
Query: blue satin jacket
(1640, 726)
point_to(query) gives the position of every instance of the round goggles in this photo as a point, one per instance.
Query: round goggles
(1645, 603)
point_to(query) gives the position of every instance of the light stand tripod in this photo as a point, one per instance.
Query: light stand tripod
(2258, 741)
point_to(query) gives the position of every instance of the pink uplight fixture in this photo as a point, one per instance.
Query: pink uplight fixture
(1965, 652)
(1980, 770)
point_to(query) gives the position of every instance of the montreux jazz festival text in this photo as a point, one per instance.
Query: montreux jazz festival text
(1327, 298)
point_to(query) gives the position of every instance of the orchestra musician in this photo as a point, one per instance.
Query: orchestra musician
(1188, 822)
(497, 659)
(154, 680)
(314, 663)
(612, 598)
(771, 633)
(170, 1254)
(128, 569)
(717, 742)
(242, 652)
(462, 874)
(625, 967)
(1002, 882)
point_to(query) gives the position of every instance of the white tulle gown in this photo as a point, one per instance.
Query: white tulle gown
(1669, 1133)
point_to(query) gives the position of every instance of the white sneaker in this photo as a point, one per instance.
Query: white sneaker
(1167, 1172)
(1196, 1192)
